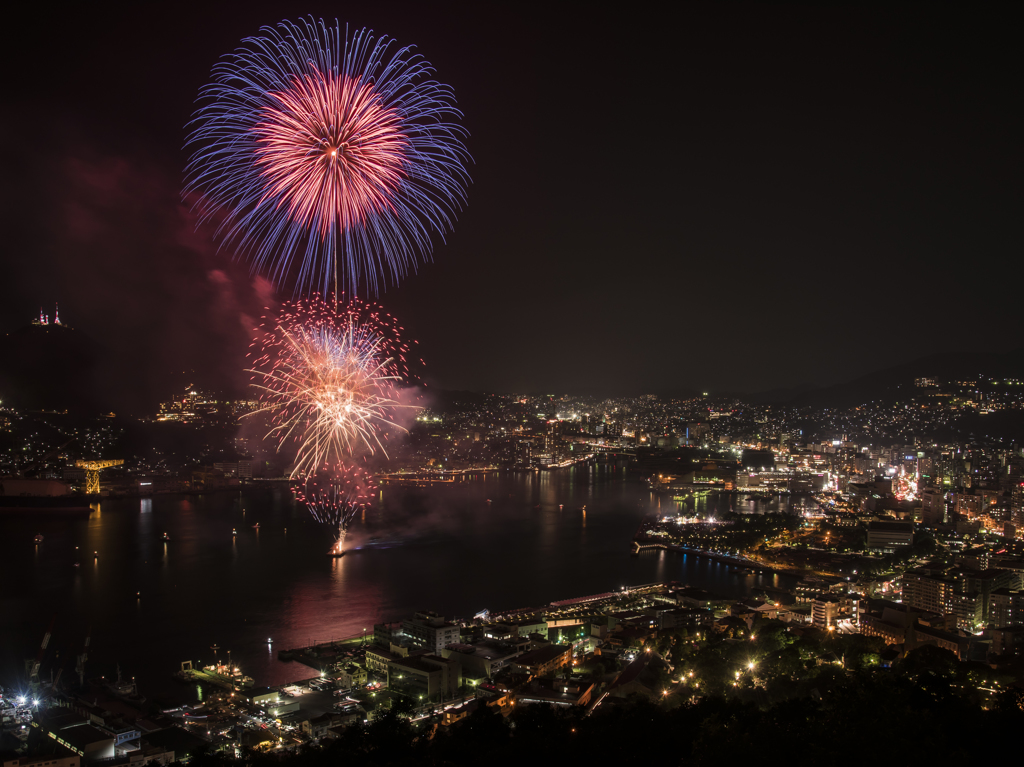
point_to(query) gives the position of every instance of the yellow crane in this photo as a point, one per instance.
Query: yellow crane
(92, 473)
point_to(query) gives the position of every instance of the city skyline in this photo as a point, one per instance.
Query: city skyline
(799, 185)
(690, 413)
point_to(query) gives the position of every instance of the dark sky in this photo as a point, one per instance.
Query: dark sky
(730, 197)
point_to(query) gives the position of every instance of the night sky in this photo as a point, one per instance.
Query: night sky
(727, 198)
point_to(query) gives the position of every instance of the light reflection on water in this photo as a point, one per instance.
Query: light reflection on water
(445, 549)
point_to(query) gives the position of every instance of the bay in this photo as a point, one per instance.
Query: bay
(498, 540)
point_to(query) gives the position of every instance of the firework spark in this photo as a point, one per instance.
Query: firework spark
(331, 379)
(327, 157)
(334, 495)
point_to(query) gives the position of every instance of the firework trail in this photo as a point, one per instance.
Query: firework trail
(334, 495)
(331, 379)
(326, 157)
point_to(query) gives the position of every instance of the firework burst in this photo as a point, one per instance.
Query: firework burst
(334, 495)
(327, 157)
(331, 379)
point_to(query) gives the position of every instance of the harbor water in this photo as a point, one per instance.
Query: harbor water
(157, 581)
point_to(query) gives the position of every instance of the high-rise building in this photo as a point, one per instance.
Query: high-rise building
(431, 631)
(927, 591)
(933, 507)
(1006, 608)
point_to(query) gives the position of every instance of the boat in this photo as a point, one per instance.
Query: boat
(224, 675)
(234, 532)
(39, 539)
(167, 537)
(126, 691)
(256, 526)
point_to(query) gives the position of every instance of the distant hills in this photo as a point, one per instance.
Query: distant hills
(890, 384)
(49, 367)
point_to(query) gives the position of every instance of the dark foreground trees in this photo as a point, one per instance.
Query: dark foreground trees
(924, 720)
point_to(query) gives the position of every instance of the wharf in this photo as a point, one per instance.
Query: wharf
(640, 544)
(320, 655)
(428, 478)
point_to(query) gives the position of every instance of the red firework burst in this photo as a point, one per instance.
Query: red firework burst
(334, 495)
(331, 379)
(330, 151)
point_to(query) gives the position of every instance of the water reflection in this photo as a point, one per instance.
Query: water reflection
(444, 549)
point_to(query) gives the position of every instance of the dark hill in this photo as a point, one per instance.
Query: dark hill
(49, 367)
(893, 383)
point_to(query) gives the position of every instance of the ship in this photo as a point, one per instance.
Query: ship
(126, 691)
(220, 674)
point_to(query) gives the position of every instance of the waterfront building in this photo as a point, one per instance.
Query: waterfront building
(430, 631)
(377, 659)
(425, 677)
(32, 487)
(481, 660)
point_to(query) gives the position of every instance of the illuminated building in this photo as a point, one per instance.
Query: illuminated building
(1006, 607)
(889, 536)
(194, 405)
(933, 507)
(545, 660)
(430, 630)
(240, 469)
(425, 677)
(825, 609)
(925, 591)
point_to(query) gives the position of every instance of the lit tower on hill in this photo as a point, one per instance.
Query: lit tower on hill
(44, 319)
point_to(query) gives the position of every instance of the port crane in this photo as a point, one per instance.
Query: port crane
(82, 658)
(92, 473)
(32, 666)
